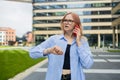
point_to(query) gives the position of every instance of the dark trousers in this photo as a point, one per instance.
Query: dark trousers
(66, 77)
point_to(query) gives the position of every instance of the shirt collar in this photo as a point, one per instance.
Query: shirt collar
(63, 37)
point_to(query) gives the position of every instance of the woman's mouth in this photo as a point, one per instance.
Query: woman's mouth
(66, 26)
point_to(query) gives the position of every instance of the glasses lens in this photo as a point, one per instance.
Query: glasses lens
(69, 21)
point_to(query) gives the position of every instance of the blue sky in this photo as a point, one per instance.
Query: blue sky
(17, 15)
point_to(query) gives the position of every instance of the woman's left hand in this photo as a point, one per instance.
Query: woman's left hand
(78, 35)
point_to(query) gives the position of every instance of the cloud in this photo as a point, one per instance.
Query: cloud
(16, 15)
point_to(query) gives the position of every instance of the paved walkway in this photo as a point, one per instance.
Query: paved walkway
(38, 67)
(106, 67)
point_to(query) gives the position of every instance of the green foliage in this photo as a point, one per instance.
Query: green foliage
(13, 62)
(5, 46)
(114, 50)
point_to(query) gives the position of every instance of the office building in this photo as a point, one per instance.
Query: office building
(7, 34)
(2, 37)
(28, 1)
(100, 19)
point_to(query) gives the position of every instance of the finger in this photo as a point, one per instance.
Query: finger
(55, 48)
(75, 31)
(58, 50)
(59, 53)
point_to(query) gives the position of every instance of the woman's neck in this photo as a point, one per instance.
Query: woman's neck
(69, 38)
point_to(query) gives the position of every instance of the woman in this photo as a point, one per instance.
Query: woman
(68, 53)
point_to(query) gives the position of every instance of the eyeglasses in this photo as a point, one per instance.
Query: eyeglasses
(68, 21)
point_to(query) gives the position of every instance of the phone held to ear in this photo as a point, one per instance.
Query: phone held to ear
(76, 26)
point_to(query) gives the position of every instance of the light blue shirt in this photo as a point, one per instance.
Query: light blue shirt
(80, 57)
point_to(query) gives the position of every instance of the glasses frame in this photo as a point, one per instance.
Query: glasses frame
(68, 21)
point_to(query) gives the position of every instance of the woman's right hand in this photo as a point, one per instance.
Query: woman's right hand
(54, 50)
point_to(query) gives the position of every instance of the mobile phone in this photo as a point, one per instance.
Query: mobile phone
(76, 26)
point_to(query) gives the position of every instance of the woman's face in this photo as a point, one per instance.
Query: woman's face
(68, 23)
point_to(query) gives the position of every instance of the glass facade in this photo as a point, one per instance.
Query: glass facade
(87, 20)
(97, 18)
(79, 13)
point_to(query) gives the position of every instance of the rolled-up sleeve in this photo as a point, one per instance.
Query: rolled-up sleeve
(37, 51)
(85, 54)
